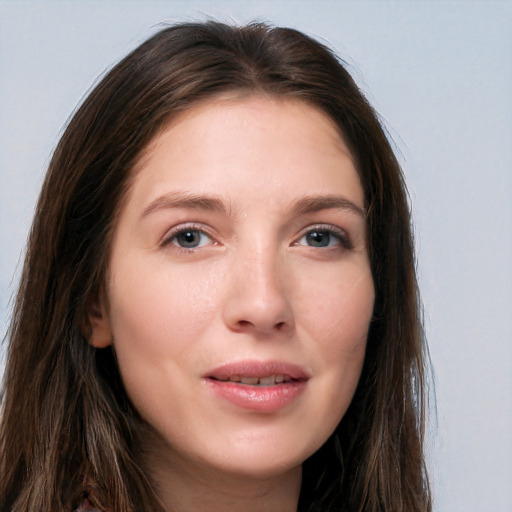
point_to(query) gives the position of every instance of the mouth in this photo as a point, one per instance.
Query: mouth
(259, 373)
(271, 380)
(261, 386)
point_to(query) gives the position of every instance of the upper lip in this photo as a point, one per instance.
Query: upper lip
(250, 368)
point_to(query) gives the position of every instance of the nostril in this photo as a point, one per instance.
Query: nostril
(246, 323)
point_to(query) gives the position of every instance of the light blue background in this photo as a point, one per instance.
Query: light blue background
(439, 73)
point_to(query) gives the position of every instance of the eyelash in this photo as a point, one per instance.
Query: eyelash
(340, 235)
(180, 230)
(331, 230)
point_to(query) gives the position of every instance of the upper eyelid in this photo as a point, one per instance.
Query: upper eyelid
(325, 227)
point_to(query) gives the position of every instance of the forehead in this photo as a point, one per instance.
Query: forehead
(247, 105)
(256, 142)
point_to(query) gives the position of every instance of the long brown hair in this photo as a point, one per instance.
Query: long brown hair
(67, 428)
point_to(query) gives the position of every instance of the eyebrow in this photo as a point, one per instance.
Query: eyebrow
(186, 200)
(313, 204)
(207, 202)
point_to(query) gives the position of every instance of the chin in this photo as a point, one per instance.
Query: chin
(258, 469)
(265, 459)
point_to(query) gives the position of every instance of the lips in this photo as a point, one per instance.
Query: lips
(257, 369)
(264, 386)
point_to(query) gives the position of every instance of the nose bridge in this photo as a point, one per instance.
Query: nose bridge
(258, 298)
(262, 274)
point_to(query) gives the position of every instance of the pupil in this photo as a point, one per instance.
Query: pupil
(318, 238)
(189, 239)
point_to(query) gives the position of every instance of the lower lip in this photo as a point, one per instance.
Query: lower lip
(258, 398)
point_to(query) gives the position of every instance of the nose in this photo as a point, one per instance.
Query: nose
(258, 302)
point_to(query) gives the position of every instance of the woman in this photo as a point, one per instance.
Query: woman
(218, 308)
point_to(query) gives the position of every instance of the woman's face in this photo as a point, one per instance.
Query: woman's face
(240, 292)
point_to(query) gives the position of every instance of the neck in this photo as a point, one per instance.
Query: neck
(185, 486)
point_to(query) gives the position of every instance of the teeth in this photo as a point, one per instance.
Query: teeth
(271, 380)
(251, 381)
(267, 381)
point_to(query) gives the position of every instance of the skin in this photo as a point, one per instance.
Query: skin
(267, 271)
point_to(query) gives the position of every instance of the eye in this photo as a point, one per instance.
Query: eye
(319, 238)
(325, 237)
(188, 237)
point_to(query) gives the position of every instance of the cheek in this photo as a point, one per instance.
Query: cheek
(341, 308)
(158, 319)
(338, 324)
(352, 312)
(155, 314)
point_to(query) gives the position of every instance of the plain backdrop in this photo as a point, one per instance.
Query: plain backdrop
(440, 75)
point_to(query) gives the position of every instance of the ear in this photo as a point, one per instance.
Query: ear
(100, 332)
